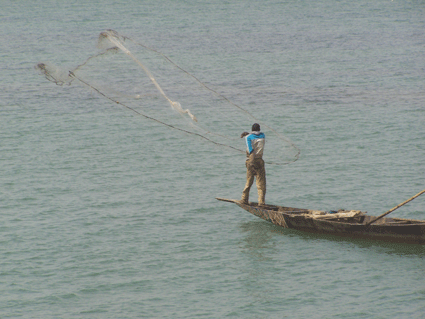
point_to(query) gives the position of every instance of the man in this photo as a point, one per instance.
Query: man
(254, 164)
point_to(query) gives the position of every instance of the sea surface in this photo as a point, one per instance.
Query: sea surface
(107, 214)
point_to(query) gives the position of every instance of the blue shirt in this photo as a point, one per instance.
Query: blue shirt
(255, 143)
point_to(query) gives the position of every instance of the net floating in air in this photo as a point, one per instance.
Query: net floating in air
(142, 79)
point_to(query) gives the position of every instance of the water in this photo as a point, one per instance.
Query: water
(107, 215)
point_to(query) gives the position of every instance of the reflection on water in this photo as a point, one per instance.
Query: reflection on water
(259, 247)
(259, 241)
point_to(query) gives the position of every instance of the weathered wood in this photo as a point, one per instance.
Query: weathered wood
(398, 206)
(389, 229)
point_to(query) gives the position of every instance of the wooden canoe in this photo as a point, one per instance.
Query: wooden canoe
(342, 223)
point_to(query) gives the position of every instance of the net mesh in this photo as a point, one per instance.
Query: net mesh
(145, 80)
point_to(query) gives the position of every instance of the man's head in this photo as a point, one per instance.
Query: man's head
(256, 127)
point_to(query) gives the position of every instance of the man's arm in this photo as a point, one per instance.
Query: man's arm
(249, 144)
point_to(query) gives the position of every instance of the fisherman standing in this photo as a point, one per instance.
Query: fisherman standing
(254, 164)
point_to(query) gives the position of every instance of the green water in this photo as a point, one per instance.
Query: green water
(105, 214)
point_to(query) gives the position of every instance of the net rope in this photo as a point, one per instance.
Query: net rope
(111, 42)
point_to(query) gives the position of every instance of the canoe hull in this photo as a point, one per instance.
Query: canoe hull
(388, 229)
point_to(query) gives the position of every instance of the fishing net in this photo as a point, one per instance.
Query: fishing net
(145, 81)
